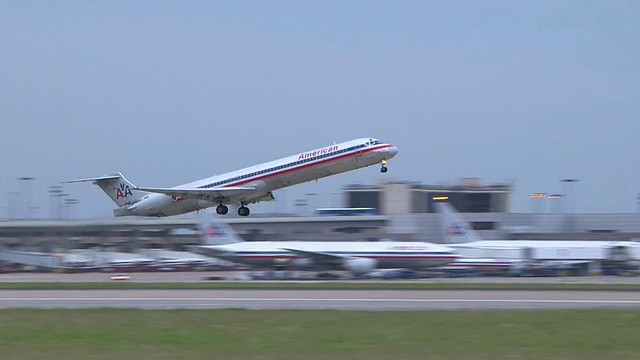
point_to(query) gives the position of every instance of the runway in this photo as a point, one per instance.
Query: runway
(372, 300)
(187, 277)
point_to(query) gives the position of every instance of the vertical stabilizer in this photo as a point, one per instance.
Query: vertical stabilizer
(216, 232)
(117, 187)
(454, 229)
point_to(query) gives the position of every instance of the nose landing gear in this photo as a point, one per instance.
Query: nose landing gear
(383, 169)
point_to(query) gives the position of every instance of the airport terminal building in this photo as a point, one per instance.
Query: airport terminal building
(396, 210)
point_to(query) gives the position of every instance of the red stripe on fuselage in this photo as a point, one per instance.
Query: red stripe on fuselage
(427, 257)
(305, 166)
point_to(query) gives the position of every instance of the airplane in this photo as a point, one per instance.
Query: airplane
(177, 260)
(459, 235)
(118, 261)
(50, 261)
(245, 186)
(358, 257)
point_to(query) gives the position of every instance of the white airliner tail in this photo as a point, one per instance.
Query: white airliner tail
(454, 228)
(216, 232)
(117, 187)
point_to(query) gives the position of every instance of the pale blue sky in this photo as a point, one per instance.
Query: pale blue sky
(172, 91)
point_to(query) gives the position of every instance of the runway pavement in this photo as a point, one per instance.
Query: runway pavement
(318, 299)
(157, 277)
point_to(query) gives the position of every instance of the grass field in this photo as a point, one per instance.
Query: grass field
(247, 334)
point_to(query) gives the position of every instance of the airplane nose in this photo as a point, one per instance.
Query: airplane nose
(393, 151)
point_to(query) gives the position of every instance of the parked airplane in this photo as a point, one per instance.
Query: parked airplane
(246, 186)
(117, 261)
(178, 260)
(50, 261)
(459, 235)
(222, 242)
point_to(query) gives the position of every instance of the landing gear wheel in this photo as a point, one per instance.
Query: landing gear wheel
(222, 209)
(383, 169)
(243, 211)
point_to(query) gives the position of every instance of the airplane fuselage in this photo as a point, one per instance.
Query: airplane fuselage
(357, 257)
(267, 177)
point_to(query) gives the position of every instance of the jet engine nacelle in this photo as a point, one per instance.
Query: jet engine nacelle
(360, 266)
(259, 194)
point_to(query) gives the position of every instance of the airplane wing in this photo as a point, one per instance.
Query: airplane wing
(210, 251)
(199, 193)
(319, 257)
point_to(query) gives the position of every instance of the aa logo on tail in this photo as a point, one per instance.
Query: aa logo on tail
(455, 230)
(123, 191)
(213, 231)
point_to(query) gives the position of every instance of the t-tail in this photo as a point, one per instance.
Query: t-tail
(216, 232)
(454, 228)
(119, 189)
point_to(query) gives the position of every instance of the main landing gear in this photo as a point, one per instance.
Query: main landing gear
(222, 209)
(243, 211)
(383, 169)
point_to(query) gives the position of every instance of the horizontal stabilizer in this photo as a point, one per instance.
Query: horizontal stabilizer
(95, 179)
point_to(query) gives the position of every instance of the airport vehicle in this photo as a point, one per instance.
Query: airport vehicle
(534, 254)
(222, 242)
(120, 277)
(245, 186)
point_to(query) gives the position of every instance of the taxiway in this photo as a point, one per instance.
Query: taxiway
(260, 299)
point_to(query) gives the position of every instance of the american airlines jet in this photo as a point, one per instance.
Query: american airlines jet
(245, 186)
(459, 235)
(358, 257)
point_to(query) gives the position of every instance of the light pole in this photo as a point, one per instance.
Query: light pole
(567, 183)
(54, 192)
(336, 200)
(25, 195)
(299, 204)
(281, 202)
(570, 213)
(68, 204)
(13, 198)
(60, 196)
(555, 205)
(537, 202)
(311, 201)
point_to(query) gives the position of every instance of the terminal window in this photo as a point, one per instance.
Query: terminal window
(364, 199)
(464, 202)
(476, 202)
